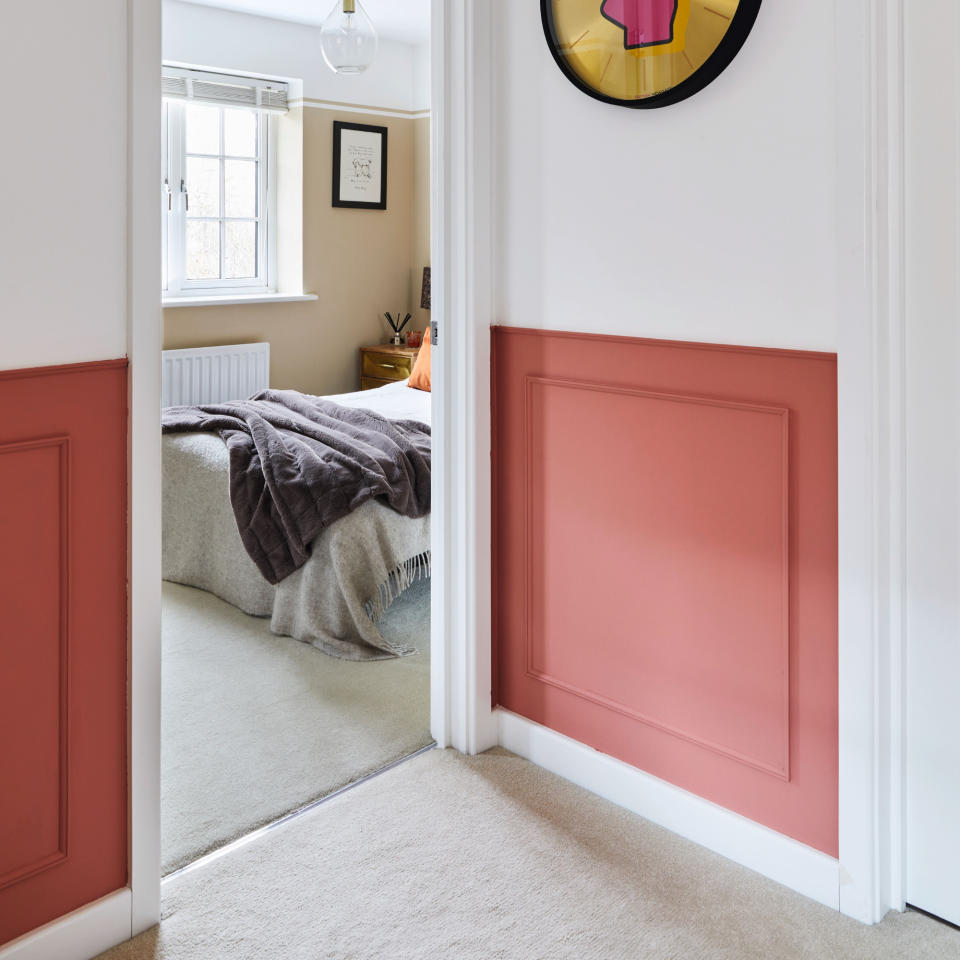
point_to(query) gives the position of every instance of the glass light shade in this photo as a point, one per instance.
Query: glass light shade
(347, 38)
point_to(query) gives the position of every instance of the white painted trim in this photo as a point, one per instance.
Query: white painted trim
(232, 299)
(79, 935)
(462, 302)
(891, 73)
(144, 345)
(892, 591)
(750, 844)
(871, 446)
(343, 107)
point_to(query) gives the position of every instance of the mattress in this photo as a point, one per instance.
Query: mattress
(396, 401)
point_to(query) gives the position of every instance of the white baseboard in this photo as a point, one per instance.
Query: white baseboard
(750, 844)
(80, 935)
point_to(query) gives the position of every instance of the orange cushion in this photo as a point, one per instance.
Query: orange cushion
(420, 377)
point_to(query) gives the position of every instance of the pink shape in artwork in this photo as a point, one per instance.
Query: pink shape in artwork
(644, 22)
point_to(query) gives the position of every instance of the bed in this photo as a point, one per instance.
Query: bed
(357, 567)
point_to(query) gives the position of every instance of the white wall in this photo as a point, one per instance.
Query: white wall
(711, 220)
(63, 170)
(210, 37)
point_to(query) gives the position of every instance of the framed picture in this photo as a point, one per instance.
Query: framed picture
(359, 166)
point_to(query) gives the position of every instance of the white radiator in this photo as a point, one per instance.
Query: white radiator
(215, 374)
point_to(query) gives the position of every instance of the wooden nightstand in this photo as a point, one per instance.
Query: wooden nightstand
(385, 364)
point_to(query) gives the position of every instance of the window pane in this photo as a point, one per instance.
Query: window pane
(203, 250)
(240, 133)
(203, 128)
(240, 186)
(203, 184)
(240, 252)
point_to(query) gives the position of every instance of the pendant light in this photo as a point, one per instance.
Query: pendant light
(347, 38)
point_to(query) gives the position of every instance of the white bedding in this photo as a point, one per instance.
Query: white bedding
(396, 401)
(358, 566)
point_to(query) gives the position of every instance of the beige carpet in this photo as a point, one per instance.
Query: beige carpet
(445, 858)
(255, 726)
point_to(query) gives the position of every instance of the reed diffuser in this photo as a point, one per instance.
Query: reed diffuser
(397, 327)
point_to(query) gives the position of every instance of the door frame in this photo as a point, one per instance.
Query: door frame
(871, 367)
(870, 211)
(461, 253)
(144, 345)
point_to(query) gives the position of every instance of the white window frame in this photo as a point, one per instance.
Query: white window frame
(175, 200)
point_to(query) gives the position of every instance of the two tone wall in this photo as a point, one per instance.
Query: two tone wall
(713, 220)
(63, 466)
(358, 262)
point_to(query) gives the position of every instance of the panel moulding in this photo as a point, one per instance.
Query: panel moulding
(779, 769)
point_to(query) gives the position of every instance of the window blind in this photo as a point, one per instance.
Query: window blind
(224, 90)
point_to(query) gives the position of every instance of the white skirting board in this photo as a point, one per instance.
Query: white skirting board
(793, 864)
(80, 935)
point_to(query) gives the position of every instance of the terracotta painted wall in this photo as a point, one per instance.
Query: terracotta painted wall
(359, 262)
(665, 562)
(63, 644)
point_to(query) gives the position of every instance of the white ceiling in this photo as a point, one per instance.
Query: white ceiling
(404, 20)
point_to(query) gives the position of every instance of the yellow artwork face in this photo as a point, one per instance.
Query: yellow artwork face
(645, 53)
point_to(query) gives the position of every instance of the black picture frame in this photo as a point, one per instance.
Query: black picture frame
(717, 62)
(339, 126)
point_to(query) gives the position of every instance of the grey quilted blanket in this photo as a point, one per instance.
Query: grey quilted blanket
(298, 464)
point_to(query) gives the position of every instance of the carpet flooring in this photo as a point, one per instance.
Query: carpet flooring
(255, 726)
(491, 857)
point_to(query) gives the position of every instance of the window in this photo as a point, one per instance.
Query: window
(218, 190)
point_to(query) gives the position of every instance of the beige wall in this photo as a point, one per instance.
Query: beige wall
(359, 262)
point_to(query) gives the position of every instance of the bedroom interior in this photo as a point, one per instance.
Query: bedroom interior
(286, 681)
(657, 655)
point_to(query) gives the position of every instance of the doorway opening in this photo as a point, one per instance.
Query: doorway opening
(296, 526)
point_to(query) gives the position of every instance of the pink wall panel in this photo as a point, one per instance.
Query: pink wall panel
(665, 562)
(33, 655)
(63, 642)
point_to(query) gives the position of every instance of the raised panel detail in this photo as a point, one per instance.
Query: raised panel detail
(665, 562)
(34, 593)
(63, 640)
(689, 593)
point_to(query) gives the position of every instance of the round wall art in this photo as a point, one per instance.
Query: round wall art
(645, 53)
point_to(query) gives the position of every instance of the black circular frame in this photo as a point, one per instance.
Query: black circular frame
(721, 58)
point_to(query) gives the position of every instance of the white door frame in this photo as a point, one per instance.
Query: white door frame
(869, 876)
(144, 345)
(462, 306)
(870, 206)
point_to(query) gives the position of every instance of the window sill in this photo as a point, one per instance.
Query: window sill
(234, 298)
